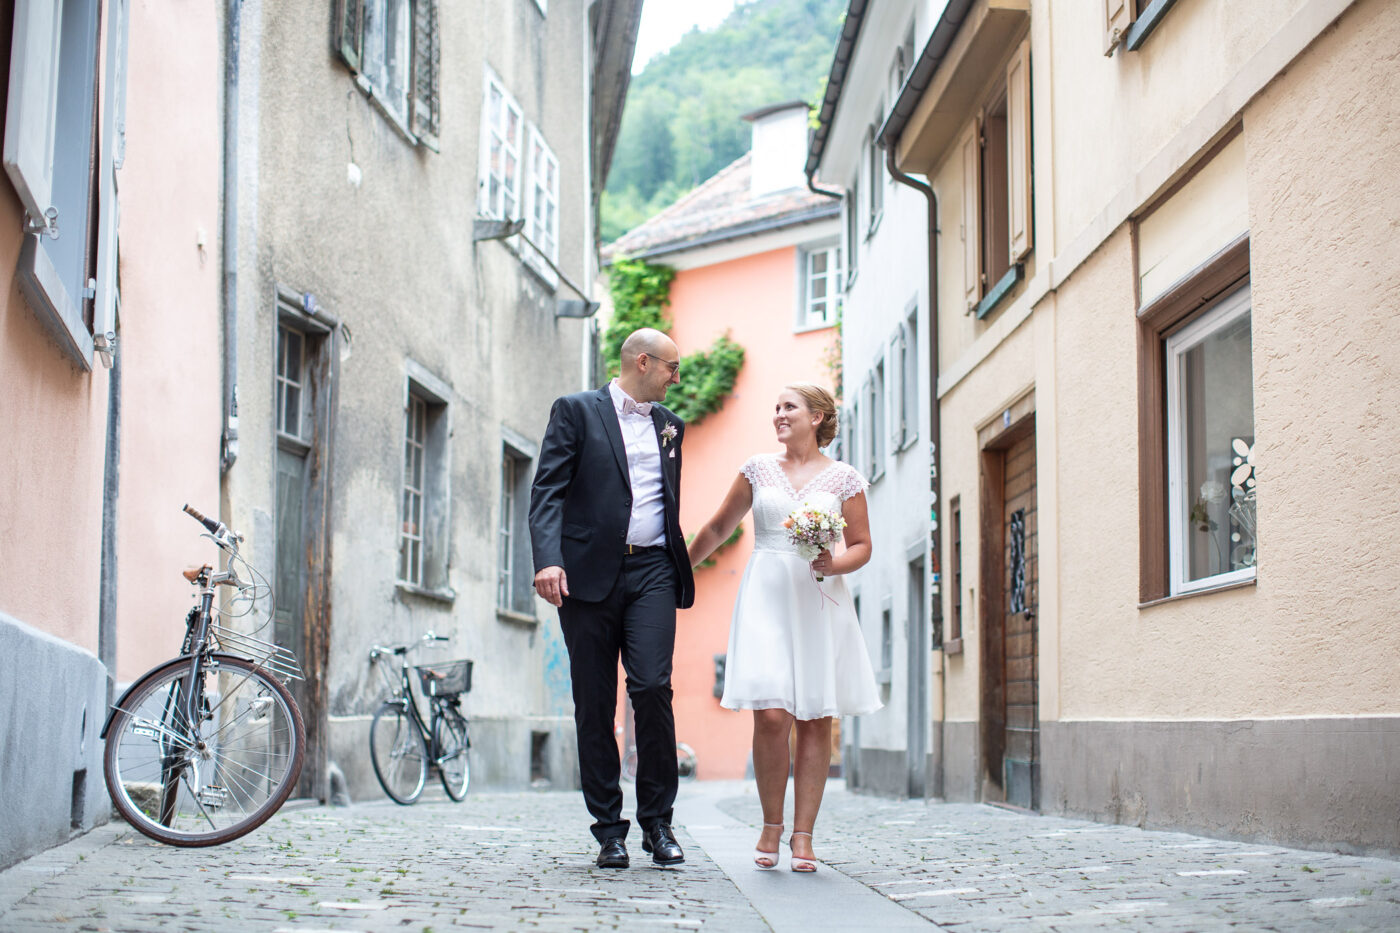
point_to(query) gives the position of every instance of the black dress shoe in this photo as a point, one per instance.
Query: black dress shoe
(662, 844)
(613, 854)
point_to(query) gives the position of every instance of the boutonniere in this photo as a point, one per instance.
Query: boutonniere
(668, 433)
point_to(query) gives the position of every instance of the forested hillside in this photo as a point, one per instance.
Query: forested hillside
(681, 122)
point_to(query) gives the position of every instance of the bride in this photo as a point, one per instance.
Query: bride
(795, 648)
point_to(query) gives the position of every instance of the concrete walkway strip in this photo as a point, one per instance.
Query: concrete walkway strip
(788, 901)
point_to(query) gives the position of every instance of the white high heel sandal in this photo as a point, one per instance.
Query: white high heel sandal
(767, 861)
(799, 864)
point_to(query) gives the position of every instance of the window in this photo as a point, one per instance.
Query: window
(996, 189)
(291, 383)
(955, 620)
(393, 48)
(542, 225)
(1191, 412)
(514, 593)
(501, 165)
(875, 176)
(1210, 444)
(1128, 23)
(886, 671)
(423, 529)
(852, 230)
(875, 409)
(49, 134)
(909, 372)
(821, 287)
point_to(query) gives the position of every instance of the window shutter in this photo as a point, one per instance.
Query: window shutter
(350, 30)
(971, 213)
(896, 388)
(33, 103)
(1018, 118)
(104, 313)
(1117, 17)
(426, 111)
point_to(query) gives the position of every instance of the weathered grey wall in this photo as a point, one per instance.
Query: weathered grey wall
(54, 697)
(393, 258)
(1330, 783)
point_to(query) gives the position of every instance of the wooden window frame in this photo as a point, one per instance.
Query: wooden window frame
(420, 118)
(1219, 275)
(486, 204)
(545, 237)
(434, 518)
(952, 643)
(998, 213)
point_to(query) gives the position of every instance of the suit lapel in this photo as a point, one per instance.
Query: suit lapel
(668, 463)
(608, 415)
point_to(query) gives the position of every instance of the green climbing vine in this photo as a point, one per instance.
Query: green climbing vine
(641, 293)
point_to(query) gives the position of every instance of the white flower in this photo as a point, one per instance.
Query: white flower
(1212, 490)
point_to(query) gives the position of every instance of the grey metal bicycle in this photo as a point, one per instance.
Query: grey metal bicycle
(402, 746)
(206, 747)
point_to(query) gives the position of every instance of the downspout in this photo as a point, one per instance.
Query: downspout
(229, 438)
(935, 549)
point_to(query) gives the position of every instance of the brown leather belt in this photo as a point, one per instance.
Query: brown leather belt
(642, 549)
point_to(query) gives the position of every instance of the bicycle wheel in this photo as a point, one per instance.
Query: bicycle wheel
(451, 743)
(686, 762)
(398, 752)
(209, 782)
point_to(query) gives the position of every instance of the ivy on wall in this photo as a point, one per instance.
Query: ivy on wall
(641, 292)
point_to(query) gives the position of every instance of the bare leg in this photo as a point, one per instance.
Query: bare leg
(771, 763)
(809, 780)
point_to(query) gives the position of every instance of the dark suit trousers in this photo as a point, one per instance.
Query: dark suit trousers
(636, 620)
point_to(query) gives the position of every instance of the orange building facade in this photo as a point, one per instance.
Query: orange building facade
(757, 256)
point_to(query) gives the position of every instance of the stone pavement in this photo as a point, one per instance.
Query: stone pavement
(524, 861)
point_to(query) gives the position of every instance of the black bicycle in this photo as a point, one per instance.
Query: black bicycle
(206, 747)
(402, 746)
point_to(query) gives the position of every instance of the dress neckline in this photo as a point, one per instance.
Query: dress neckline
(797, 493)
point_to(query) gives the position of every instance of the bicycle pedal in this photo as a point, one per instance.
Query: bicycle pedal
(213, 795)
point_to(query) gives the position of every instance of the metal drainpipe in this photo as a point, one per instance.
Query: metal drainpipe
(229, 439)
(934, 425)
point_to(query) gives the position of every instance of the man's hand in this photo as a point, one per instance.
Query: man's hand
(552, 585)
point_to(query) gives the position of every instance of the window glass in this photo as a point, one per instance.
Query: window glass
(411, 537)
(290, 382)
(821, 286)
(502, 166)
(387, 50)
(1211, 446)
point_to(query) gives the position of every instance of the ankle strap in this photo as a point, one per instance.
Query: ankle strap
(798, 832)
(779, 825)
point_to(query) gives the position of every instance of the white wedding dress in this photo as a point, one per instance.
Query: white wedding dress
(790, 647)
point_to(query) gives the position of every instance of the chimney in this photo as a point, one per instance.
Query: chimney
(779, 149)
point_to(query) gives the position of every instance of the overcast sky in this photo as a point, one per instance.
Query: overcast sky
(665, 21)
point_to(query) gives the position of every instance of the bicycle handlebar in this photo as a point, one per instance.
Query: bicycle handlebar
(218, 529)
(376, 650)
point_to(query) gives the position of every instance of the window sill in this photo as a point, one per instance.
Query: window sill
(516, 618)
(907, 443)
(1176, 597)
(397, 121)
(1000, 290)
(883, 677)
(876, 477)
(445, 595)
(873, 225)
(809, 328)
(953, 646)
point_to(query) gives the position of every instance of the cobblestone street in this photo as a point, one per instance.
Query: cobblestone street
(525, 861)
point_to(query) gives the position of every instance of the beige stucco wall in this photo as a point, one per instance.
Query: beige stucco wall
(170, 334)
(1312, 638)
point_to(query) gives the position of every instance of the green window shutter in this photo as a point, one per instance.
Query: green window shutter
(350, 30)
(426, 110)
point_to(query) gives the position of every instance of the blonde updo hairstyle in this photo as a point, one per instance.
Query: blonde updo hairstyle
(818, 399)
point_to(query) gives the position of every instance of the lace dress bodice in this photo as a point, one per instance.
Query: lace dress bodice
(774, 498)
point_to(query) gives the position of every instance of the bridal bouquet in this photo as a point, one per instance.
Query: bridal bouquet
(813, 530)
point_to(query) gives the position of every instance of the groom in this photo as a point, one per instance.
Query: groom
(609, 553)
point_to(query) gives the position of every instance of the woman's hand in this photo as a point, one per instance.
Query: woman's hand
(823, 565)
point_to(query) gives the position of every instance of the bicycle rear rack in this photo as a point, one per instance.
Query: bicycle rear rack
(275, 658)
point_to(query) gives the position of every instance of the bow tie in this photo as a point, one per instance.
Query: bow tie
(632, 407)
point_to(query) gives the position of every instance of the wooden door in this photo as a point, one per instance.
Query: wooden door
(1010, 720)
(1019, 579)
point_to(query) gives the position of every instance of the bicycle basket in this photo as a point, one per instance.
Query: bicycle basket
(445, 680)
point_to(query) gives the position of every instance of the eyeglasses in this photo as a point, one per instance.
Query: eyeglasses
(675, 365)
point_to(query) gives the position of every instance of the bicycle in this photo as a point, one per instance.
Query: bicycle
(402, 746)
(686, 762)
(206, 747)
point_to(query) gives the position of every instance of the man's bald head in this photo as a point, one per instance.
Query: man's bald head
(647, 340)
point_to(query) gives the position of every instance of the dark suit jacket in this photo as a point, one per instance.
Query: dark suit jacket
(581, 500)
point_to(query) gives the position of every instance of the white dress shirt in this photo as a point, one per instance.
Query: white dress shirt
(647, 526)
